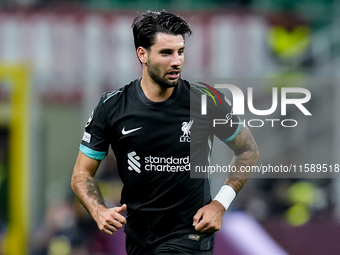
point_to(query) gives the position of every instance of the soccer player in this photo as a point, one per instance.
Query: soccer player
(157, 133)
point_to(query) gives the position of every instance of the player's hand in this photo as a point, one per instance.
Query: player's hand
(109, 220)
(208, 219)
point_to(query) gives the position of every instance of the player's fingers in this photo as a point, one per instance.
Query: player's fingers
(108, 229)
(197, 217)
(120, 218)
(122, 208)
(200, 226)
(206, 230)
(111, 228)
(207, 227)
(115, 223)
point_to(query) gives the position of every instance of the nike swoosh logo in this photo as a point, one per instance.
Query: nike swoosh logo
(125, 132)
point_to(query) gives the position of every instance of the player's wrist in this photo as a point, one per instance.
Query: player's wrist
(225, 196)
(218, 206)
(94, 211)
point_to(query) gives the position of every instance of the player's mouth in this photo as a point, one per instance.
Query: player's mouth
(173, 74)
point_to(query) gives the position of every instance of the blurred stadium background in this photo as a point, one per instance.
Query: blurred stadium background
(58, 56)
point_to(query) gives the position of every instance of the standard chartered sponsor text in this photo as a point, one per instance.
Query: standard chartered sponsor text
(167, 164)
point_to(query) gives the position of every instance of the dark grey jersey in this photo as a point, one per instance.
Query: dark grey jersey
(155, 144)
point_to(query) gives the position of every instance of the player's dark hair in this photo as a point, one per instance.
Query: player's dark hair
(147, 24)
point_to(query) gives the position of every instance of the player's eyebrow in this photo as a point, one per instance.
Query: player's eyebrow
(167, 50)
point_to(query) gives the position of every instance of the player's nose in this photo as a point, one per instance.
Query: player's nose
(176, 60)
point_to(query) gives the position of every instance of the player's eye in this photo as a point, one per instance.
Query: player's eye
(166, 52)
(181, 51)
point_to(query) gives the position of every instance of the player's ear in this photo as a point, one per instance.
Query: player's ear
(142, 55)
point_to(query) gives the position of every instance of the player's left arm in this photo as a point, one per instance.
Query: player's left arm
(246, 153)
(208, 219)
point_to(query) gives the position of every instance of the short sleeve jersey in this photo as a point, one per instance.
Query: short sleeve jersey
(154, 144)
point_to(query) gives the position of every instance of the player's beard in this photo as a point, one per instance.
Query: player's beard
(156, 74)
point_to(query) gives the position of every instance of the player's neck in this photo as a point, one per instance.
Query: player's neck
(153, 91)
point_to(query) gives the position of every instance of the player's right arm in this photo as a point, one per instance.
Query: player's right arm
(84, 185)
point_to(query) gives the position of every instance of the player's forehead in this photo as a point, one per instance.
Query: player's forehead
(168, 41)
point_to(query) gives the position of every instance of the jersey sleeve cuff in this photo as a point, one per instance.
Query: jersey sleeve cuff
(99, 155)
(235, 133)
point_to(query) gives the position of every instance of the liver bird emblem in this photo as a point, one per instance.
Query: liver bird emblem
(186, 128)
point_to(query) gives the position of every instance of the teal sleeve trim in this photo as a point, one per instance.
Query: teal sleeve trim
(235, 133)
(99, 155)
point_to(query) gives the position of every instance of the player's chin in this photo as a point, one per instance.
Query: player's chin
(173, 82)
(170, 83)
